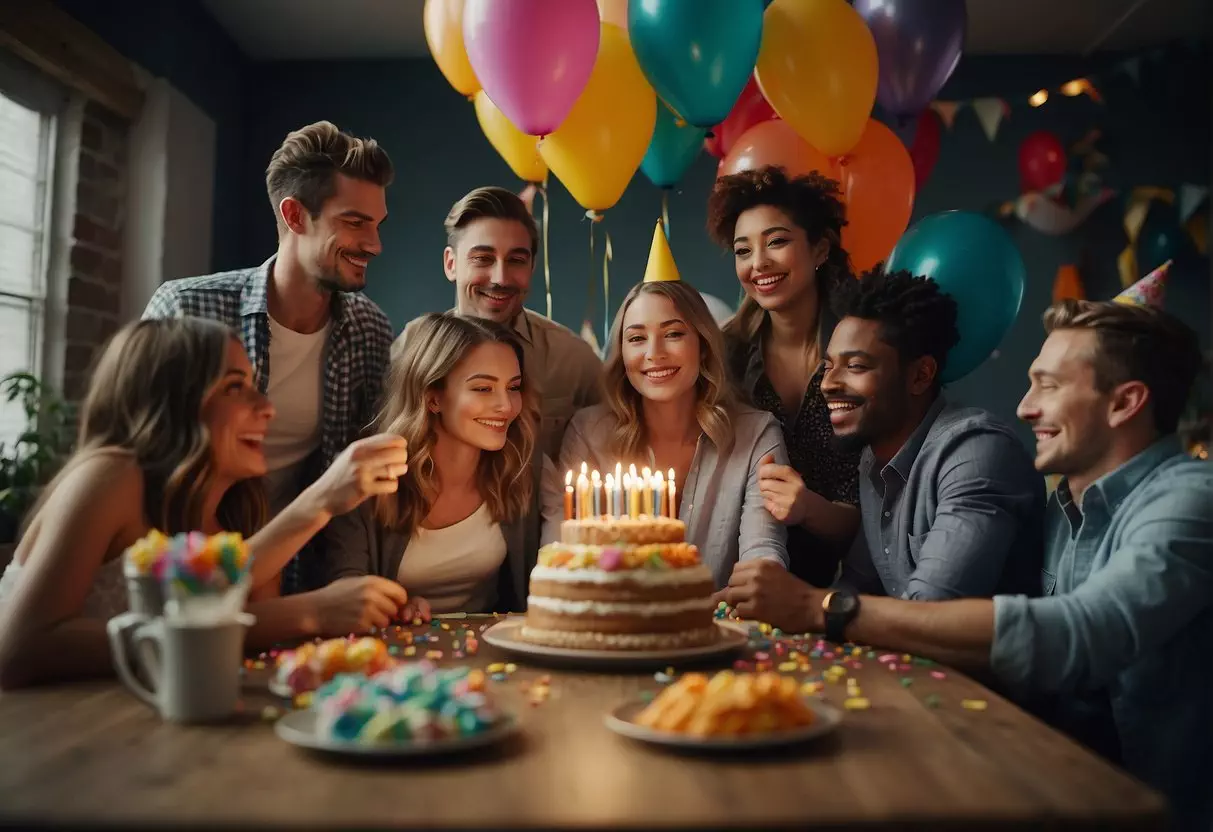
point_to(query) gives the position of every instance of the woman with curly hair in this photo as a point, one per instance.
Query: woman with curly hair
(668, 405)
(785, 233)
(462, 532)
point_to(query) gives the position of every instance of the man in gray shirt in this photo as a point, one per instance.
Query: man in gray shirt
(951, 504)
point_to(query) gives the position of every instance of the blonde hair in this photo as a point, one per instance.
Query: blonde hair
(145, 399)
(715, 405)
(430, 354)
(305, 165)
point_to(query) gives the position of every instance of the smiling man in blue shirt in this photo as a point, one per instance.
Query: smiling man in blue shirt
(1123, 633)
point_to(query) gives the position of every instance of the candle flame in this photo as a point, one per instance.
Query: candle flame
(584, 469)
(610, 480)
(632, 471)
(568, 478)
(595, 478)
(658, 479)
(671, 476)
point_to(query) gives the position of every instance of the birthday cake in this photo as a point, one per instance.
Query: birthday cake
(415, 702)
(620, 583)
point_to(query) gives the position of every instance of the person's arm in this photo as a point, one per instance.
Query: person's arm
(1155, 583)
(827, 520)
(761, 535)
(348, 539)
(43, 636)
(984, 491)
(164, 303)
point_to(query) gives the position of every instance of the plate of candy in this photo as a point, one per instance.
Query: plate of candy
(726, 712)
(312, 664)
(412, 709)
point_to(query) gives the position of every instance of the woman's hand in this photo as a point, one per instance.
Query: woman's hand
(416, 609)
(365, 469)
(356, 605)
(783, 492)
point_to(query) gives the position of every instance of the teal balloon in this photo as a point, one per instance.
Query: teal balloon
(672, 150)
(697, 54)
(1161, 238)
(975, 261)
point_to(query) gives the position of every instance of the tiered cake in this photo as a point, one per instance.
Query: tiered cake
(620, 583)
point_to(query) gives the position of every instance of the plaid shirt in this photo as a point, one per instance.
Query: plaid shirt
(355, 358)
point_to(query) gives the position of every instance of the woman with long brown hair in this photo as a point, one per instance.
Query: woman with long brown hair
(170, 438)
(786, 237)
(668, 405)
(462, 532)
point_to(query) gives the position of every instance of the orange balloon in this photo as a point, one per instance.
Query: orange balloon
(443, 24)
(876, 178)
(878, 187)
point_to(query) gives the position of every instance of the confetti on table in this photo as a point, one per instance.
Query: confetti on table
(433, 655)
(410, 650)
(974, 704)
(662, 678)
(496, 667)
(810, 688)
(269, 713)
(931, 701)
(499, 677)
(760, 656)
(788, 667)
(742, 666)
(906, 681)
(303, 700)
(510, 667)
(856, 703)
(938, 674)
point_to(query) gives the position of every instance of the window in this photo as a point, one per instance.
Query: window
(26, 168)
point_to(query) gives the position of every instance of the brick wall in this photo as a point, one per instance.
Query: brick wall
(94, 294)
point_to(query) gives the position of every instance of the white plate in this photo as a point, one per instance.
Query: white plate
(299, 728)
(505, 636)
(622, 721)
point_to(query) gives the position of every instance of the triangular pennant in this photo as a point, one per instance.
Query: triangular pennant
(1126, 265)
(1068, 284)
(990, 112)
(1149, 291)
(1197, 227)
(661, 266)
(1132, 68)
(1190, 198)
(947, 111)
(1135, 216)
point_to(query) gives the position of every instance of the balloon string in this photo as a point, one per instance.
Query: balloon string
(547, 263)
(665, 211)
(589, 295)
(606, 291)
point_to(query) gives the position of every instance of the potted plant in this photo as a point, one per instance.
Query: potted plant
(27, 463)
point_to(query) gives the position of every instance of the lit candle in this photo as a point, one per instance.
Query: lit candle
(633, 496)
(568, 496)
(596, 484)
(608, 495)
(617, 497)
(659, 495)
(618, 473)
(583, 497)
(646, 495)
(673, 495)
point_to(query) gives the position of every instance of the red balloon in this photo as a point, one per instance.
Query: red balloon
(711, 142)
(924, 152)
(1042, 161)
(750, 108)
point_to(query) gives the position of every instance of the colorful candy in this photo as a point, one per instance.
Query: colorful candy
(312, 664)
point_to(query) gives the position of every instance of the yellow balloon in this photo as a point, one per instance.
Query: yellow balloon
(614, 12)
(443, 22)
(520, 151)
(598, 148)
(817, 68)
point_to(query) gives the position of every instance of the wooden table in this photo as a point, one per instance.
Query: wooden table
(92, 755)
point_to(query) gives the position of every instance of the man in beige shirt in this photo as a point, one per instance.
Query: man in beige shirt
(490, 256)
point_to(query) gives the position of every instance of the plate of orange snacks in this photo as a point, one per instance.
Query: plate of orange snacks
(310, 665)
(728, 711)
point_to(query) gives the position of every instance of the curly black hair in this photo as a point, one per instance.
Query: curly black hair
(916, 317)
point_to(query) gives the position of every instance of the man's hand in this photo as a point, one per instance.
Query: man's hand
(783, 492)
(763, 590)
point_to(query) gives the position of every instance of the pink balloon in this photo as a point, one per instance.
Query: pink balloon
(533, 57)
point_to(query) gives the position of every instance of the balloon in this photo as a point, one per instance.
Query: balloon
(614, 12)
(1042, 161)
(443, 22)
(520, 151)
(533, 57)
(712, 144)
(698, 56)
(976, 262)
(918, 43)
(878, 188)
(817, 67)
(720, 310)
(924, 151)
(600, 145)
(876, 178)
(1161, 237)
(672, 150)
(750, 109)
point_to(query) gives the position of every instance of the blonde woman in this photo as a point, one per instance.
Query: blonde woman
(668, 405)
(785, 233)
(171, 438)
(462, 532)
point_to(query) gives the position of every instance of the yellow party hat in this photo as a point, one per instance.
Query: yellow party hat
(661, 264)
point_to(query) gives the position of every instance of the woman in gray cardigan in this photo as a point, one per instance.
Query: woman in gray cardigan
(667, 405)
(462, 532)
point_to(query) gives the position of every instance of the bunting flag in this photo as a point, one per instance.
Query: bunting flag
(990, 112)
(1191, 197)
(1197, 227)
(1067, 284)
(1137, 206)
(946, 111)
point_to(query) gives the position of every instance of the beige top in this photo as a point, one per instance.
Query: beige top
(455, 568)
(563, 369)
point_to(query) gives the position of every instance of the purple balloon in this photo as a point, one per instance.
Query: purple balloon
(532, 57)
(918, 44)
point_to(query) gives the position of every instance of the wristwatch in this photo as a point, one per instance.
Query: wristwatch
(840, 607)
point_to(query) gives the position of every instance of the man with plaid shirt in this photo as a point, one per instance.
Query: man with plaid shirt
(319, 348)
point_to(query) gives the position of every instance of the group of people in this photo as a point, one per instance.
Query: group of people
(827, 481)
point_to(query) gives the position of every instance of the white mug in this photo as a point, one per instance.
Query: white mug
(144, 593)
(194, 668)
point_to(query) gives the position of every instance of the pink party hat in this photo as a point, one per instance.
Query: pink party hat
(1148, 291)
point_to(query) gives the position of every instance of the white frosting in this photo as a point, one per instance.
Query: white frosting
(642, 577)
(644, 609)
(621, 641)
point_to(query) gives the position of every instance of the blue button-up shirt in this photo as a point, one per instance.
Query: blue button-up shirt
(957, 512)
(1125, 629)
